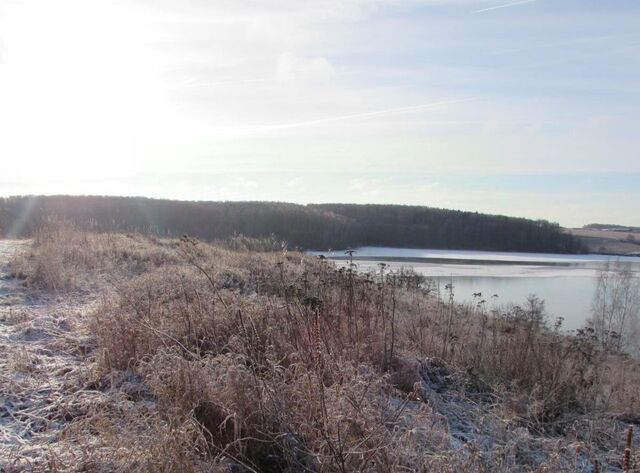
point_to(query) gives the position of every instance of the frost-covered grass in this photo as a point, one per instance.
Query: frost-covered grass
(176, 355)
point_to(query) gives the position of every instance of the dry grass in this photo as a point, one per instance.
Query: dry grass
(223, 358)
(64, 259)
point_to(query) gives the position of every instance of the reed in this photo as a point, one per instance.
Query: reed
(219, 359)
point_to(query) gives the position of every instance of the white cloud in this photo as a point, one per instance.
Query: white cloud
(294, 71)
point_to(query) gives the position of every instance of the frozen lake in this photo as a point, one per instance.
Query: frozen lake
(565, 282)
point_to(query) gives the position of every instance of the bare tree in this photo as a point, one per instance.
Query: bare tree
(615, 309)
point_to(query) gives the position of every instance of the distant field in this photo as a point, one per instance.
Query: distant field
(615, 235)
(608, 241)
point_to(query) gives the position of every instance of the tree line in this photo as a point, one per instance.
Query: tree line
(313, 226)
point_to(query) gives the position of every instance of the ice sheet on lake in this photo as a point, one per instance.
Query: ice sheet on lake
(565, 282)
(478, 270)
(386, 252)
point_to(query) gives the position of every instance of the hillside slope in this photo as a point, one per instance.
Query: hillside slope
(307, 227)
(615, 242)
(124, 353)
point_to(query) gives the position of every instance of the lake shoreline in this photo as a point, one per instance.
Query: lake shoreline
(565, 282)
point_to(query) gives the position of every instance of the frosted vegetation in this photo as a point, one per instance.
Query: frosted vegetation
(568, 283)
(124, 353)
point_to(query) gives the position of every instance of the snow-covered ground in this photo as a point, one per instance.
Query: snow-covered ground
(42, 351)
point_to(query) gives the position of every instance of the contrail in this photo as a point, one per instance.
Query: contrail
(506, 5)
(195, 82)
(377, 113)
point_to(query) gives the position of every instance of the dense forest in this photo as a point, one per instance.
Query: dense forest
(316, 226)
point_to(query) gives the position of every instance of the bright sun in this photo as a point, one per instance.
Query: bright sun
(79, 84)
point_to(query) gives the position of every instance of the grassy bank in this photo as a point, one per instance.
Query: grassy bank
(221, 358)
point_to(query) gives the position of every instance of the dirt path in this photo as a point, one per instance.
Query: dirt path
(42, 351)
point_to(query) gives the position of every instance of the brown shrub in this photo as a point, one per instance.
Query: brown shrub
(282, 362)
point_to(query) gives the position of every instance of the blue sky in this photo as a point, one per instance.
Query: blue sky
(526, 108)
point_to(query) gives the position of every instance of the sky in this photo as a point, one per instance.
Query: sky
(527, 108)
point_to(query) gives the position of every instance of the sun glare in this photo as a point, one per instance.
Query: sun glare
(79, 83)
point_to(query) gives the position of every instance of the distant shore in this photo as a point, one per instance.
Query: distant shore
(608, 242)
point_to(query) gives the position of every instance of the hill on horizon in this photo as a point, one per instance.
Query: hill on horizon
(311, 226)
